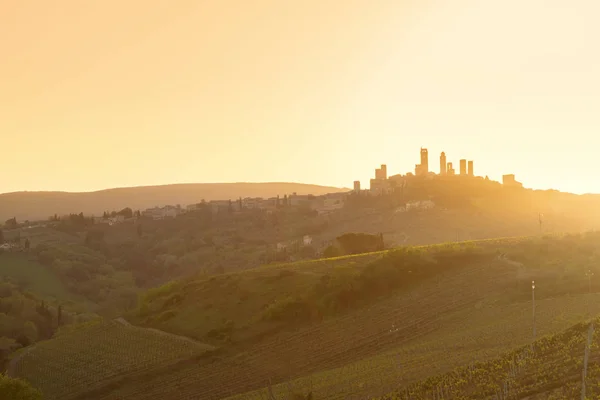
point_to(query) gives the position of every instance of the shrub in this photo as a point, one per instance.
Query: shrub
(17, 389)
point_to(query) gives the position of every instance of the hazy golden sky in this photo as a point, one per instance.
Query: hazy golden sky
(107, 93)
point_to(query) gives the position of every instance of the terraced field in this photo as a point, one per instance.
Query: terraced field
(561, 366)
(470, 335)
(85, 358)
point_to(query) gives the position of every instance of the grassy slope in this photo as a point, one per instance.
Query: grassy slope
(84, 358)
(551, 369)
(198, 306)
(25, 270)
(204, 308)
(457, 316)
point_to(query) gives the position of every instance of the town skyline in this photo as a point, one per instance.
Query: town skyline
(382, 181)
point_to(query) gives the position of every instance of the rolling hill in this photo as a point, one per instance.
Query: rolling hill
(82, 359)
(41, 205)
(361, 325)
(557, 366)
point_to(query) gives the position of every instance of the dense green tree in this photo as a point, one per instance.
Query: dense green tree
(356, 243)
(17, 389)
(11, 223)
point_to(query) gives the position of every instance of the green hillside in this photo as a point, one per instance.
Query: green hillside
(246, 305)
(28, 273)
(472, 334)
(85, 358)
(359, 325)
(346, 324)
(553, 368)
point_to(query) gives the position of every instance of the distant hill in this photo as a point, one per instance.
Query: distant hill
(40, 205)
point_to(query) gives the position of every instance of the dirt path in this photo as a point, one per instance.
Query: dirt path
(12, 364)
(123, 321)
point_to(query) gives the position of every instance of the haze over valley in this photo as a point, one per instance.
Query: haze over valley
(309, 200)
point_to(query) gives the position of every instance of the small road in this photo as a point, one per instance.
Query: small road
(12, 364)
(123, 321)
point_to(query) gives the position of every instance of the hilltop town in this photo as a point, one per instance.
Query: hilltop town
(328, 203)
(384, 184)
(323, 204)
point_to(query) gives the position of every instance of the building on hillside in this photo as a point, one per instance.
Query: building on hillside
(302, 200)
(397, 182)
(270, 204)
(307, 240)
(170, 211)
(330, 203)
(510, 181)
(420, 205)
(194, 207)
(463, 167)
(425, 160)
(443, 165)
(117, 219)
(378, 186)
(450, 169)
(282, 246)
(470, 168)
(252, 203)
(423, 168)
(381, 173)
(398, 179)
(357, 186)
(158, 213)
(220, 206)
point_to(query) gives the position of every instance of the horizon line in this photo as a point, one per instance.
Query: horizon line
(172, 184)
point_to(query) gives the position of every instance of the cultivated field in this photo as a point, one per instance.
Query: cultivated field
(348, 327)
(561, 366)
(470, 335)
(337, 342)
(82, 359)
